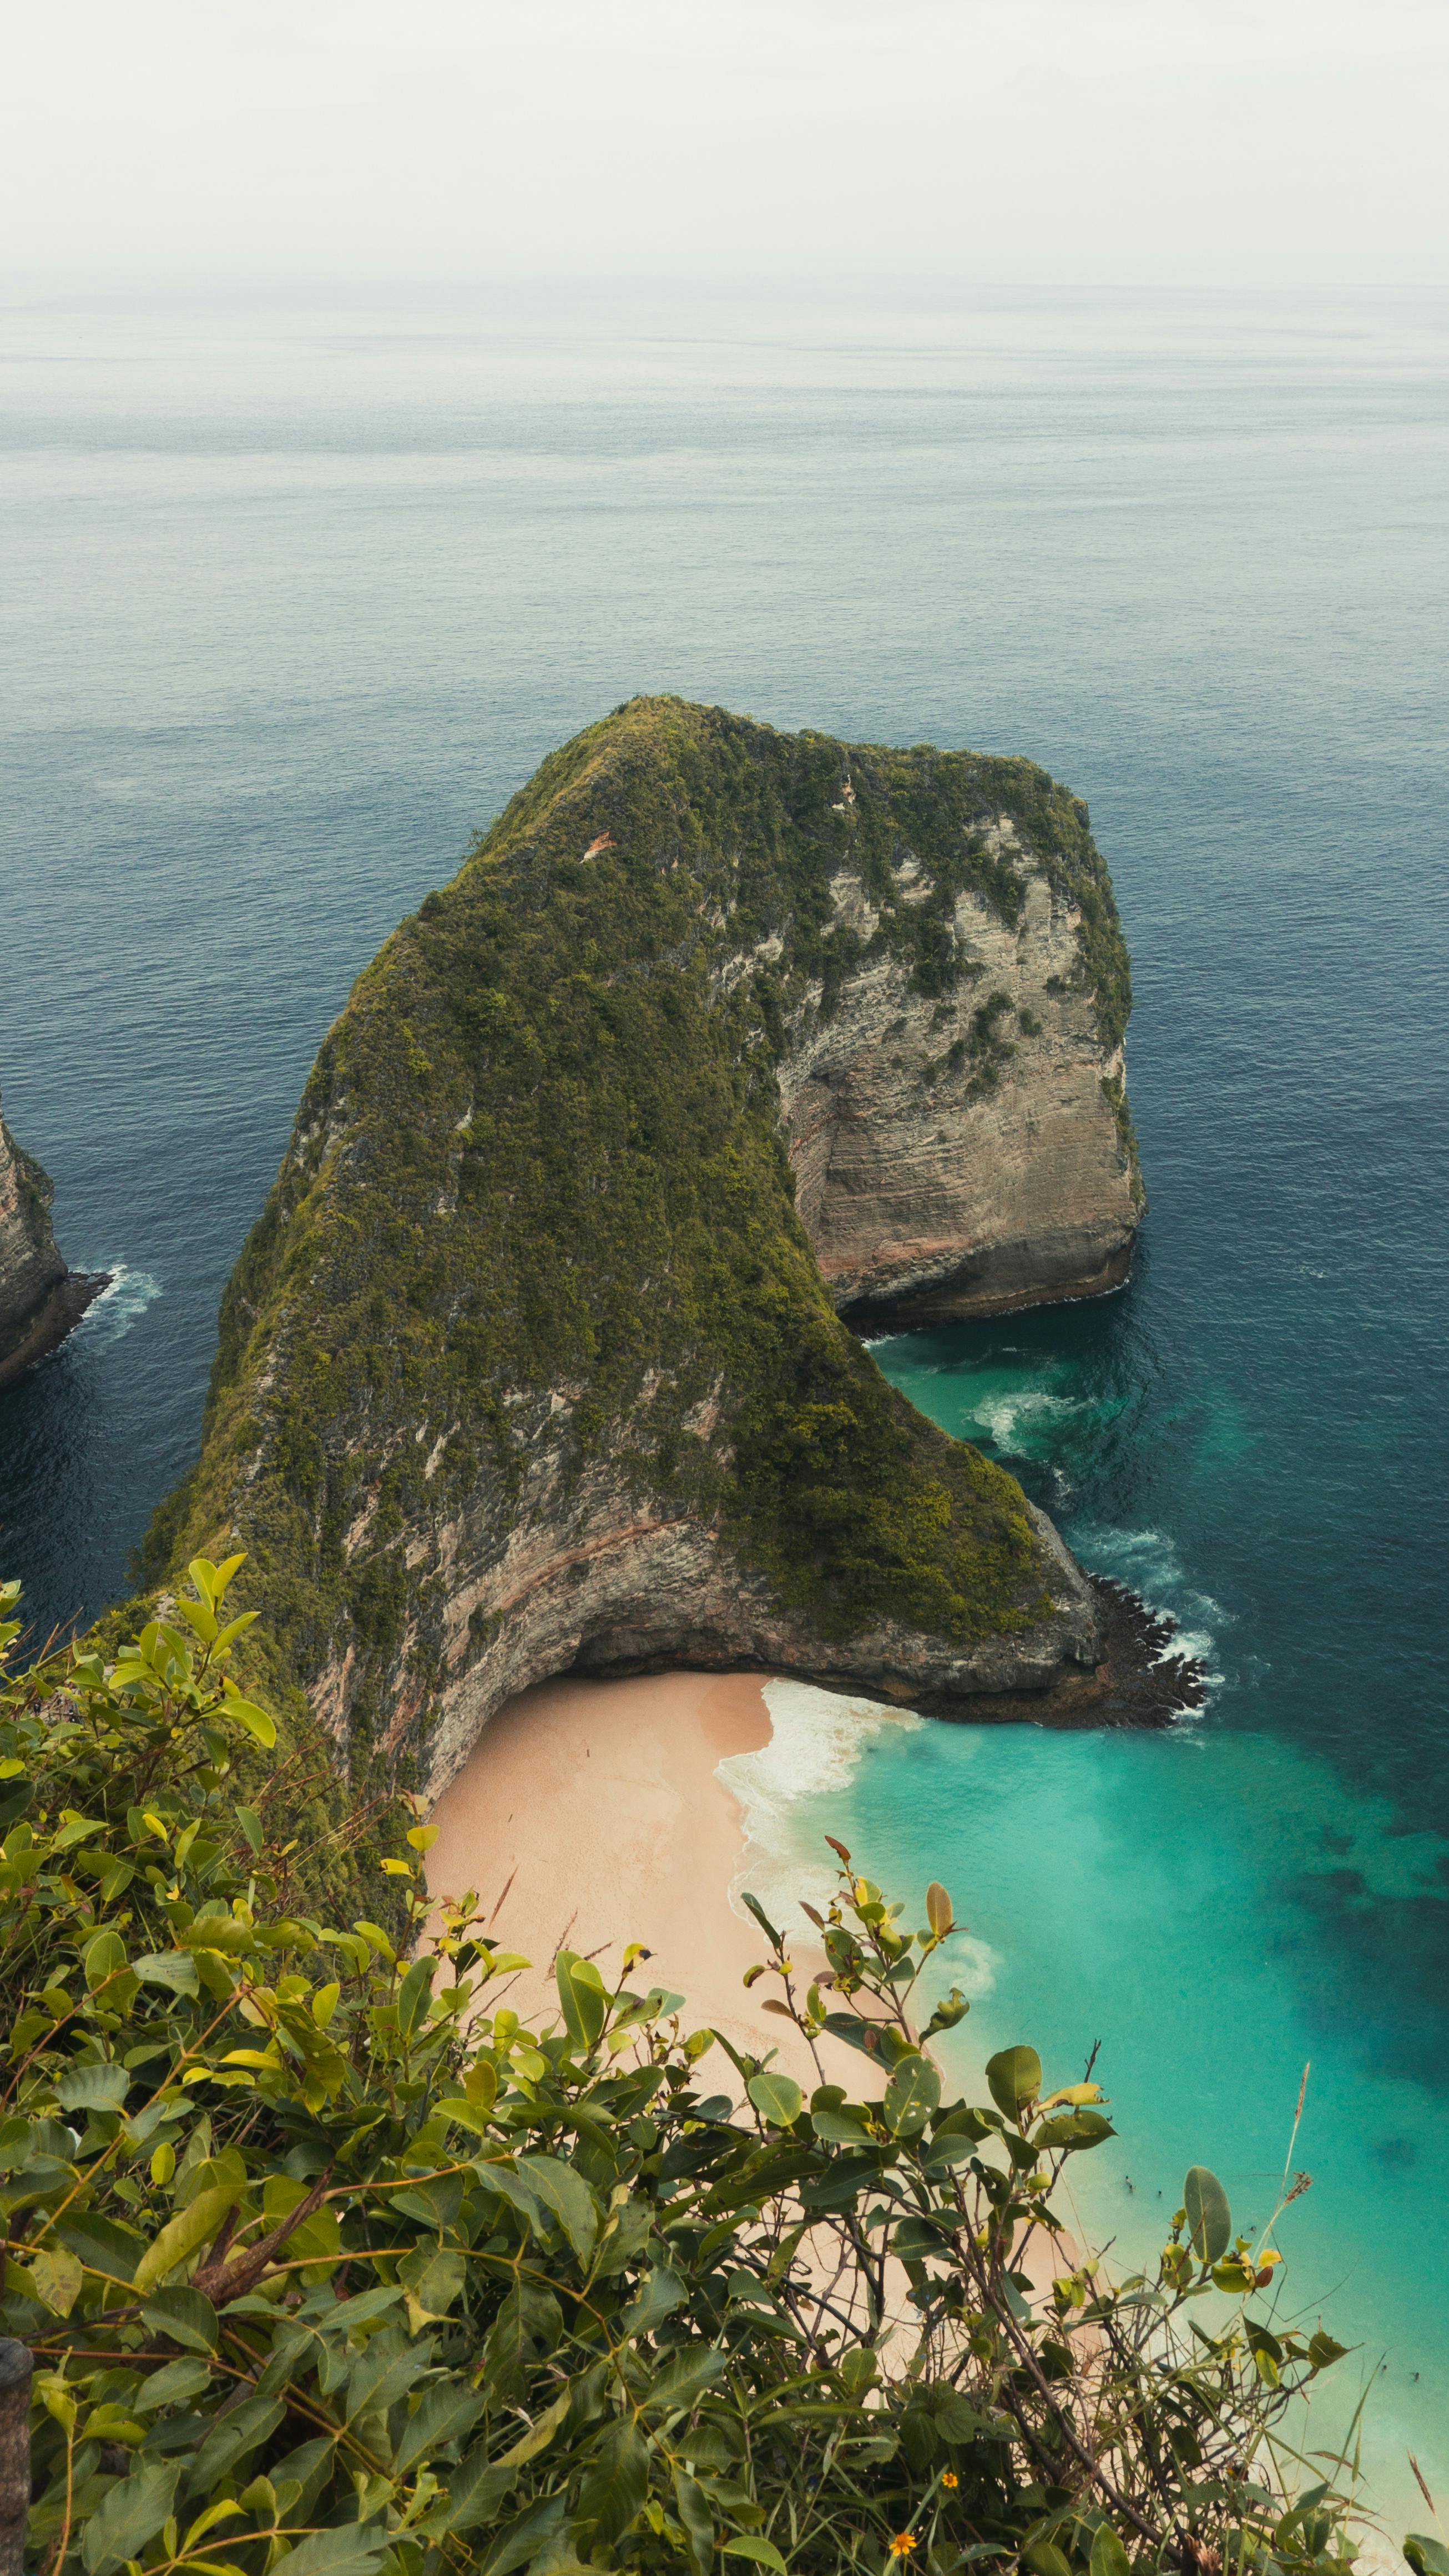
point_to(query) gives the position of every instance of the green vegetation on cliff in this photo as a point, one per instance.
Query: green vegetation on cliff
(537, 1157)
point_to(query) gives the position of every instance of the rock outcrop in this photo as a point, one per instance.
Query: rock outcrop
(40, 1300)
(969, 1152)
(533, 1360)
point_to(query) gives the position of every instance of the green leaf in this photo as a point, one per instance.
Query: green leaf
(232, 2437)
(1014, 2076)
(1323, 2351)
(661, 2292)
(104, 1955)
(464, 2114)
(1045, 2559)
(77, 1829)
(875, 2039)
(567, 2197)
(951, 2009)
(382, 2374)
(480, 2084)
(1209, 2219)
(93, 2086)
(1427, 2557)
(188, 2318)
(763, 1920)
(56, 2278)
(958, 2421)
(911, 2096)
(183, 2234)
(473, 2494)
(777, 2098)
(696, 2519)
(527, 2328)
(840, 2124)
(357, 2311)
(101, 2245)
(1109, 2558)
(940, 1913)
(684, 2378)
(449, 2409)
(129, 2515)
(1073, 2129)
(525, 2537)
(413, 1996)
(171, 2386)
(354, 2549)
(264, 1728)
(540, 2433)
(582, 1995)
(219, 1931)
(173, 1968)
(761, 2553)
(616, 2481)
(436, 2280)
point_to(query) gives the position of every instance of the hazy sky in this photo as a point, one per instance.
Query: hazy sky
(1291, 141)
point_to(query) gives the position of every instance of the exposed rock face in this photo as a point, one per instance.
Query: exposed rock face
(40, 1300)
(933, 1189)
(529, 1365)
(631, 1593)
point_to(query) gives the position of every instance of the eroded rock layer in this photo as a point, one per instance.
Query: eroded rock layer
(533, 1360)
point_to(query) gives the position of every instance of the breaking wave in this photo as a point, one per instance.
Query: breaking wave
(118, 1307)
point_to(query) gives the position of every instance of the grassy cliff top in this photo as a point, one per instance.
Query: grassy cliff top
(537, 1157)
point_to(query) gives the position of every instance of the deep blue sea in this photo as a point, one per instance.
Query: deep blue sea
(297, 595)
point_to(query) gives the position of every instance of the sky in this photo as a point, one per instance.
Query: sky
(1207, 142)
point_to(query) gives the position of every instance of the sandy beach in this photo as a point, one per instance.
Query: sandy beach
(589, 1815)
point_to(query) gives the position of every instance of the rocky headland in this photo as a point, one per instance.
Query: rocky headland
(539, 1358)
(40, 1300)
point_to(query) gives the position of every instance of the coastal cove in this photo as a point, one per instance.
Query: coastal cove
(323, 629)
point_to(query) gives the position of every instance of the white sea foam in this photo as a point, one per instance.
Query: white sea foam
(817, 1740)
(1008, 1417)
(118, 1307)
(1147, 1560)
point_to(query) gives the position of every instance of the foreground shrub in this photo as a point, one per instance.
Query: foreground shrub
(328, 2264)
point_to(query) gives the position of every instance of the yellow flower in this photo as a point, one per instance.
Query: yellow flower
(949, 2478)
(903, 2543)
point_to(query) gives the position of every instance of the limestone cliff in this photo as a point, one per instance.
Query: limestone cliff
(962, 1147)
(529, 1363)
(40, 1300)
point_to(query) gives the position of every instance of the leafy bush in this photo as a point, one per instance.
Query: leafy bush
(329, 2264)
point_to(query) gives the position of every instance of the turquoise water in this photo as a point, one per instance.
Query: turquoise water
(295, 597)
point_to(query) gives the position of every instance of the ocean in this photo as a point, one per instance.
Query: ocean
(299, 592)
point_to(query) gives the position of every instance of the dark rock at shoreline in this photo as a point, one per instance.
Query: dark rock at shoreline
(52, 1321)
(40, 1300)
(1136, 1682)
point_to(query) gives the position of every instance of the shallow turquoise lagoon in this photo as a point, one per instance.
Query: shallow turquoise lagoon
(1216, 1904)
